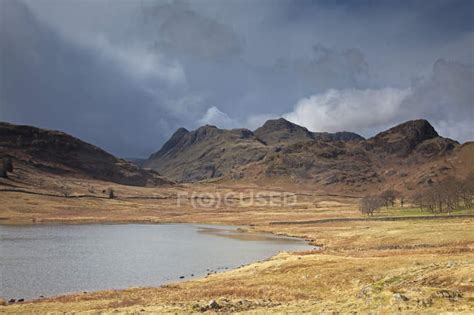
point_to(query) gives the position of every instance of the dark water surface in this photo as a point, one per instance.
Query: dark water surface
(56, 259)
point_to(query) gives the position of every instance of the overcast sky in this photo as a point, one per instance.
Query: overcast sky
(125, 75)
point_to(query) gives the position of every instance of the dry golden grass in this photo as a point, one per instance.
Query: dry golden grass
(432, 281)
(35, 197)
(382, 267)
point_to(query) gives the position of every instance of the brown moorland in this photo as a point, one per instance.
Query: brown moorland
(415, 265)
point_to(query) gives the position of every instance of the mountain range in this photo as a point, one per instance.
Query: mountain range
(403, 157)
(210, 152)
(407, 155)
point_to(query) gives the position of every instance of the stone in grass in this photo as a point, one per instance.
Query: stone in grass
(400, 297)
(365, 292)
(213, 305)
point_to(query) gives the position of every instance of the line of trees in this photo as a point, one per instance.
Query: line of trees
(445, 196)
(448, 195)
(370, 204)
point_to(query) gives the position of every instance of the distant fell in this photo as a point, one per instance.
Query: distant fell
(282, 150)
(60, 153)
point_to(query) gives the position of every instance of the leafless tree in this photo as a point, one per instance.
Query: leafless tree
(419, 200)
(389, 197)
(370, 204)
(466, 191)
(447, 195)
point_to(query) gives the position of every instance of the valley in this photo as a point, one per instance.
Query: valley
(361, 264)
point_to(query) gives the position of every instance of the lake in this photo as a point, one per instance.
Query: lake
(45, 260)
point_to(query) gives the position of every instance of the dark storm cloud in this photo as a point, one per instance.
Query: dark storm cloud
(445, 98)
(125, 74)
(328, 68)
(451, 18)
(177, 29)
(55, 84)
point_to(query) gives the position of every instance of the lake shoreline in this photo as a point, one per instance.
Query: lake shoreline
(368, 263)
(301, 276)
(216, 230)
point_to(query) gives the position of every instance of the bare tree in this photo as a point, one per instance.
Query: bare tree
(389, 197)
(466, 191)
(419, 200)
(370, 204)
(452, 191)
(427, 200)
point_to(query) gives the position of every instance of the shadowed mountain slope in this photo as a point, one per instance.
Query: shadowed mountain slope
(207, 152)
(60, 153)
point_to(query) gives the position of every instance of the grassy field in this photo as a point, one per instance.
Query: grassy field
(383, 267)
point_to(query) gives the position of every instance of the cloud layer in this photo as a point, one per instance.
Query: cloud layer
(215, 117)
(350, 109)
(446, 99)
(125, 75)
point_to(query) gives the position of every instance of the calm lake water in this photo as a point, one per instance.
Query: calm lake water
(56, 259)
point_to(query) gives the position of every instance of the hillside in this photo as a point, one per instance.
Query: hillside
(59, 153)
(207, 152)
(404, 156)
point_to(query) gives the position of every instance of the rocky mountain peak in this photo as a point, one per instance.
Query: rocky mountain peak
(282, 148)
(243, 133)
(279, 124)
(177, 138)
(403, 138)
(280, 130)
(418, 130)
